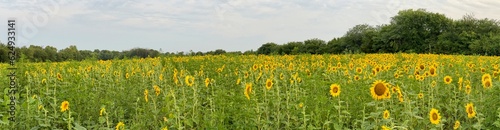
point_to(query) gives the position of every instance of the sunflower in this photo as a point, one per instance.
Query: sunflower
(335, 90)
(420, 95)
(457, 125)
(248, 90)
(386, 114)
(379, 90)
(356, 77)
(385, 127)
(282, 76)
(374, 72)
(157, 90)
(421, 66)
(447, 79)
(255, 67)
(301, 105)
(120, 125)
(44, 81)
(246, 75)
(469, 108)
(434, 83)
(487, 84)
(64, 106)
(269, 84)
(460, 83)
(207, 82)
(59, 77)
(103, 110)
(146, 95)
(434, 116)
(432, 71)
(485, 77)
(468, 89)
(189, 80)
(238, 81)
(359, 70)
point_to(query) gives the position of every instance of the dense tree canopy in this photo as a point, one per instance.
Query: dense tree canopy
(410, 30)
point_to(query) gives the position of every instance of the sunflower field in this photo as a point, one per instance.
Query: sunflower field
(352, 91)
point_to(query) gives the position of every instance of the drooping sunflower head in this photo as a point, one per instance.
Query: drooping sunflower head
(335, 90)
(64, 106)
(386, 114)
(157, 90)
(379, 90)
(468, 89)
(207, 82)
(59, 77)
(457, 125)
(447, 79)
(269, 84)
(469, 108)
(248, 90)
(485, 77)
(434, 116)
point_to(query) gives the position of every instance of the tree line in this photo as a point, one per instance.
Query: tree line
(410, 31)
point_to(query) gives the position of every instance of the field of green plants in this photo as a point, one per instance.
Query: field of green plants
(353, 91)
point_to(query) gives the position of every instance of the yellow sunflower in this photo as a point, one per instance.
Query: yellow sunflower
(432, 71)
(359, 70)
(269, 84)
(468, 89)
(420, 95)
(457, 125)
(189, 80)
(103, 110)
(207, 82)
(335, 90)
(64, 106)
(59, 77)
(460, 83)
(447, 79)
(385, 128)
(146, 95)
(386, 114)
(485, 77)
(120, 126)
(248, 90)
(157, 90)
(487, 84)
(434, 116)
(379, 90)
(469, 108)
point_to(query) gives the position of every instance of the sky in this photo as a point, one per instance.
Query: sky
(206, 25)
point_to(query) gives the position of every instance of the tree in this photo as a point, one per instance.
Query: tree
(314, 46)
(267, 48)
(416, 30)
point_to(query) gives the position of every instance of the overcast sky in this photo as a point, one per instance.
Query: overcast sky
(204, 25)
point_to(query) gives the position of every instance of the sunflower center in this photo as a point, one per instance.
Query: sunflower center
(380, 89)
(269, 84)
(487, 83)
(469, 109)
(335, 89)
(447, 79)
(434, 116)
(432, 71)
